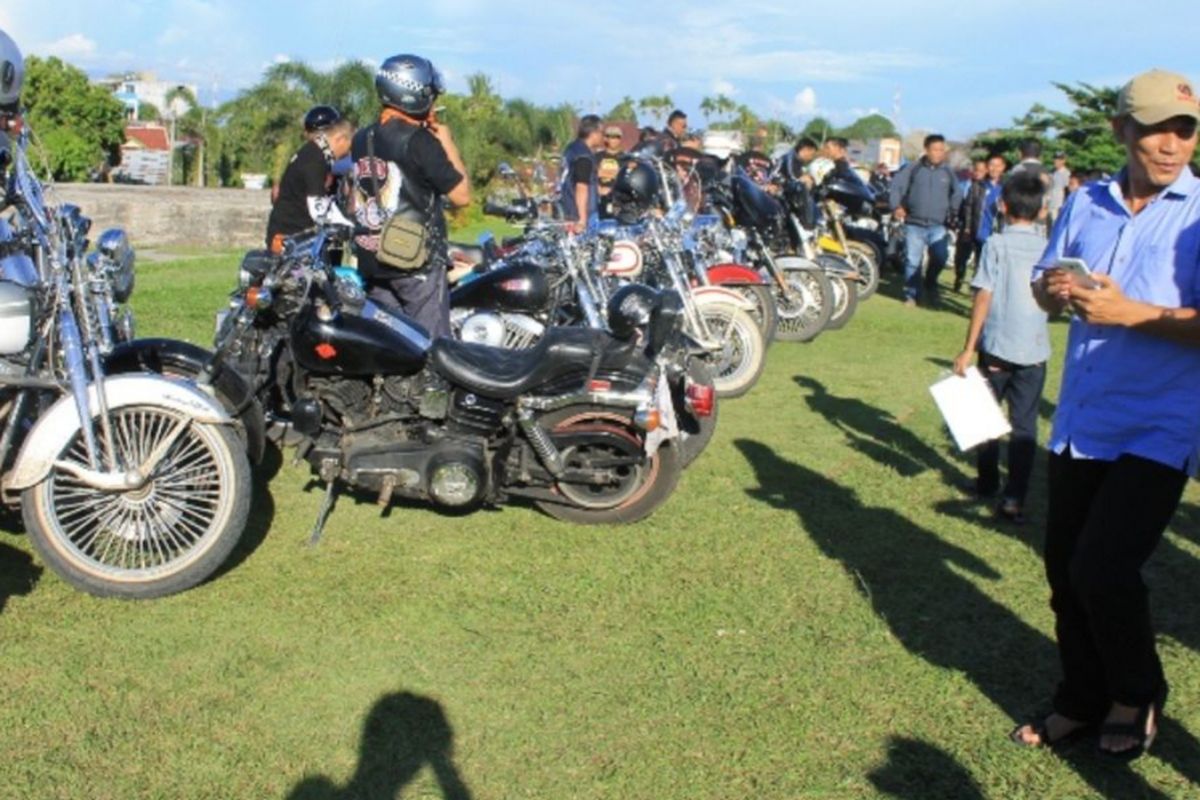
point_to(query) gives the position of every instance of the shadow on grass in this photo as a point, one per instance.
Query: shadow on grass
(18, 573)
(877, 434)
(916, 770)
(403, 733)
(914, 582)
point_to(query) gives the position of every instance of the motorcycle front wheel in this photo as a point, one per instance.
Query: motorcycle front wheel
(162, 538)
(845, 302)
(862, 257)
(805, 309)
(606, 442)
(739, 363)
(764, 314)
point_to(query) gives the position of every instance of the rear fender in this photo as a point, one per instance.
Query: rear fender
(733, 274)
(56, 427)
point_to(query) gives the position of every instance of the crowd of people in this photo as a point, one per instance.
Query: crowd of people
(1120, 253)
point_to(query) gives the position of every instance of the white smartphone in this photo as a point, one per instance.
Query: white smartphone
(1078, 268)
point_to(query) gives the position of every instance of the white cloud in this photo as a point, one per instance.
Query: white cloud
(805, 102)
(722, 86)
(73, 46)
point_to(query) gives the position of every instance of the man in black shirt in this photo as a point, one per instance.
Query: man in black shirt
(408, 163)
(677, 128)
(307, 184)
(578, 191)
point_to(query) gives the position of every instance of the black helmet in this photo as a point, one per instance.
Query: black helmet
(630, 309)
(636, 182)
(12, 71)
(409, 83)
(319, 118)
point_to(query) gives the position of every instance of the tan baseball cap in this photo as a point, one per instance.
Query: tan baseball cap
(613, 130)
(1158, 95)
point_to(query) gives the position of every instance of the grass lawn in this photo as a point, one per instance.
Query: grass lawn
(818, 612)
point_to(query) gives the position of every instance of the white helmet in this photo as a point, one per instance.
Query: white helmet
(12, 70)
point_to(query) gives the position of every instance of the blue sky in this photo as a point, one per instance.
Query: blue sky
(958, 67)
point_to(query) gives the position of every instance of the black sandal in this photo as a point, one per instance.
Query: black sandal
(1135, 730)
(1041, 730)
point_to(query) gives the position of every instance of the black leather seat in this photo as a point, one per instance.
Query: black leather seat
(504, 374)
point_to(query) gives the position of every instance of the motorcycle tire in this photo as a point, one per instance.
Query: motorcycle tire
(695, 432)
(845, 302)
(161, 539)
(740, 362)
(765, 313)
(803, 319)
(862, 257)
(642, 489)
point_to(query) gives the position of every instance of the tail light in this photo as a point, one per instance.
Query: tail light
(701, 398)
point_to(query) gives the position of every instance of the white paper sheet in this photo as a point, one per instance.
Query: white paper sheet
(970, 409)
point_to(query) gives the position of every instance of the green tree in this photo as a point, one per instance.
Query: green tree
(81, 125)
(657, 107)
(719, 107)
(624, 111)
(148, 112)
(872, 126)
(818, 128)
(1084, 132)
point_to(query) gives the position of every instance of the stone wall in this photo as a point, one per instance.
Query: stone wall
(165, 216)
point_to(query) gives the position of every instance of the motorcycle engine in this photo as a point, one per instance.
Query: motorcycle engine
(510, 331)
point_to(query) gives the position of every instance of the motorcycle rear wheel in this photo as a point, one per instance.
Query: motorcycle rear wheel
(163, 538)
(640, 489)
(803, 316)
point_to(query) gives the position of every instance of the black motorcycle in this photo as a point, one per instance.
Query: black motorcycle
(582, 424)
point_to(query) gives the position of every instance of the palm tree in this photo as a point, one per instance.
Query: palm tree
(192, 123)
(657, 106)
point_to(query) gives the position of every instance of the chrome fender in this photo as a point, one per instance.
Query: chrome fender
(719, 294)
(55, 428)
(797, 262)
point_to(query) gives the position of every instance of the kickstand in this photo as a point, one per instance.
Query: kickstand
(326, 507)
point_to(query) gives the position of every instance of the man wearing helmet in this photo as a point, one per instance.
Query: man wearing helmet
(306, 186)
(407, 163)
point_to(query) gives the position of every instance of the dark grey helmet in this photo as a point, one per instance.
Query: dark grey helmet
(630, 309)
(319, 118)
(409, 83)
(12, 71)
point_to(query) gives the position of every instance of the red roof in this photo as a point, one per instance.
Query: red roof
(151, 137)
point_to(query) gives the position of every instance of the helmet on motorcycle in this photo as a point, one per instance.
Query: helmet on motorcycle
(630, 309)
(408, 83)
(320, 117)
(12, 71)
(634, 190)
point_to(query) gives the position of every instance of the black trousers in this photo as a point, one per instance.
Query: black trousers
(424, 296)
(1104, 520)
(963, 251)
(1020, 386)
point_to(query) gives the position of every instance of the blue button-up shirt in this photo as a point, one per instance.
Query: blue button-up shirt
(1124, 391)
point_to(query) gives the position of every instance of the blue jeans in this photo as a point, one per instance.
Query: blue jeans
(916, 239)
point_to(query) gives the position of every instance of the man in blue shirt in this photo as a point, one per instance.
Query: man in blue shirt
(1127, 430)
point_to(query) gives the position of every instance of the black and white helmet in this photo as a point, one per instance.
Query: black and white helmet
(12, 71)
(409, 83)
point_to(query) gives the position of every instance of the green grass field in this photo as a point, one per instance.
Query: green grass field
(818, 612)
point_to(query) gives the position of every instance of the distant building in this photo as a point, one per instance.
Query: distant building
(145, 156)
(874, 151)
(135, 88)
